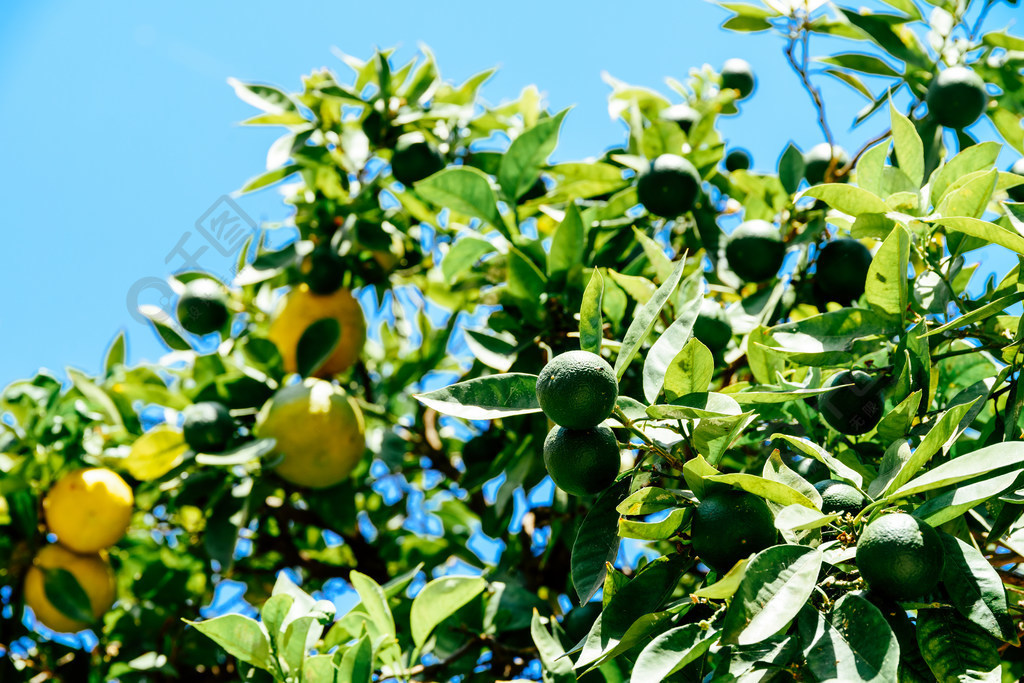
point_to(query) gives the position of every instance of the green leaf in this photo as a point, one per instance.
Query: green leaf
(909, 148)
(865, 64)
(671, 651)
(521, 164)
(97, 396)
(300, 636)
(269, 178)
(821, 455)
(777, 583)
(653, 531)
(526, 282)
(975, 158)
(1008, 124)
(630, 615)
(886, 287)
(726, 586)
(274, 612)
(707, 404)
(855, 644)
(316, 345)
(954, 648)
(791, 168)
(356, 663)
(975, 588)
(440, 599)
(549, 651)
(954, 502)
(714, 435)
(466, 190)
(871, 167)
(800, 518)
(977, 463)
(690, 371)
(746, 24)
(667, 347)
(897, 422)
(775, 491)
(981, 313)
(597, 542)
(849, 199)
(65, 593)
(115, 354)
(591, 332)
(239, 636)
(486, 398)
(464, 253)
(648, 500)
(567, 245)
(895, 473)
(373, 600)
(971, 198)
(158, 319)
(265, 97)
(645, 319)
(990, 232)
(752, 395)
(654, 252)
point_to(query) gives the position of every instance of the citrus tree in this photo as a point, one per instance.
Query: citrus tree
(649, 416)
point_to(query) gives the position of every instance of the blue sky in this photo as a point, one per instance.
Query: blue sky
(120, 129)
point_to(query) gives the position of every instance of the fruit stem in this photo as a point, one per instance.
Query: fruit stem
(628, 424)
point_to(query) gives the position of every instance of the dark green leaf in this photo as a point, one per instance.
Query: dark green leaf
(522, 163)
(975, 588)
(597, 542)
(855, 644)
(316, 345)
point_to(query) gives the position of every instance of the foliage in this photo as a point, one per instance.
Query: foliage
(459, 561)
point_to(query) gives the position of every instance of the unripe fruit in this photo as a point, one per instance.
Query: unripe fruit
(415, 159)
(669, 187)
(582, 462)
(577, 389)
(900, 556)
(854, 409)
(957, 97)
(842, 269)
(682, 114)
(755, 250)
(729, 526)
(737, 74)
(203, 306)
(817, 160)
(712, 326)
(737, 160)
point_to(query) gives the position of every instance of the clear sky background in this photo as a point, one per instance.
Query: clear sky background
(119, 129)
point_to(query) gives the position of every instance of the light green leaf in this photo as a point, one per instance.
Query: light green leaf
(975, 158)
(239, 636)
(990, 232)
(981, 461)
(464, 253)
(909, 148)
(591, 324)
(466, 190)
(521, 164)
(567, 245)
(821, 455)
(886, 286)
(667, 347)
(374, 602)
(440, 599)
(849, 199)
(645, 319)
(690, 371)
(775, 491)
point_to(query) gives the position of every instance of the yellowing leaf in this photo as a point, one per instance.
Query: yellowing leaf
(156, 453)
